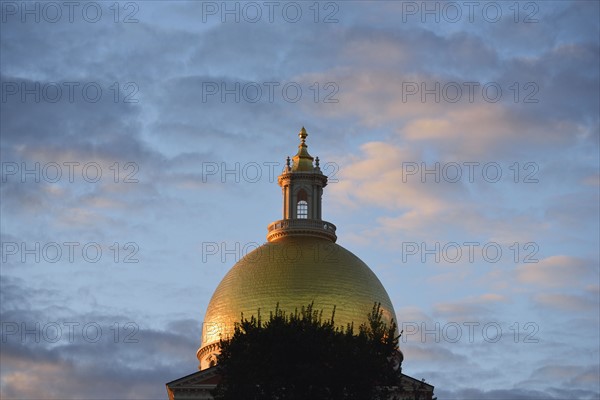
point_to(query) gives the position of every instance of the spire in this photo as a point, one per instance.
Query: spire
(303, 135)
(302, 160)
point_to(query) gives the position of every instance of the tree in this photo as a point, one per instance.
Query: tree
(300, 356)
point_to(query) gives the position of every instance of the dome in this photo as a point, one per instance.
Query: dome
(293, 271)
(299, 265)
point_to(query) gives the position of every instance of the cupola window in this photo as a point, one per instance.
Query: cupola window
(302, 205)
(302, 209)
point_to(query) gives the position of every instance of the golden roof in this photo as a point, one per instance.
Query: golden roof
(299, 265)
(293, 272)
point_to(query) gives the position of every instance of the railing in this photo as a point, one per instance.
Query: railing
(301, 224)
(306, 226)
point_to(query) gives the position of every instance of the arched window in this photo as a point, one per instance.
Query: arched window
(302, 209)
(302, 205)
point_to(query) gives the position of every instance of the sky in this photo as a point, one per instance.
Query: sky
(141, 140)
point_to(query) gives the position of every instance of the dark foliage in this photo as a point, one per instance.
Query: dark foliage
(300, 356)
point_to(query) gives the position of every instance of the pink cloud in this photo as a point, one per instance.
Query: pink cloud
(556, 271)
(565, 302)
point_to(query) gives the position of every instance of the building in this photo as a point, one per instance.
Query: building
(300, 263)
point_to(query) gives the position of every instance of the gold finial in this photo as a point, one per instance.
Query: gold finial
(302, 160)
(302, 135)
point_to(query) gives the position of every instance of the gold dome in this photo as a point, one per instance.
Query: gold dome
(300, 264)
(293, 271)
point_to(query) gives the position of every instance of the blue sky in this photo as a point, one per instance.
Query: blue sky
(139, 142)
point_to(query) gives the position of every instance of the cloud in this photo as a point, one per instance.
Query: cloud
(49, 353)
(576, 374)
(567, 303)
(432, 353)
(517, 394)
(470, 308)
(592, 180)
(556, 271)
(416, 205)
